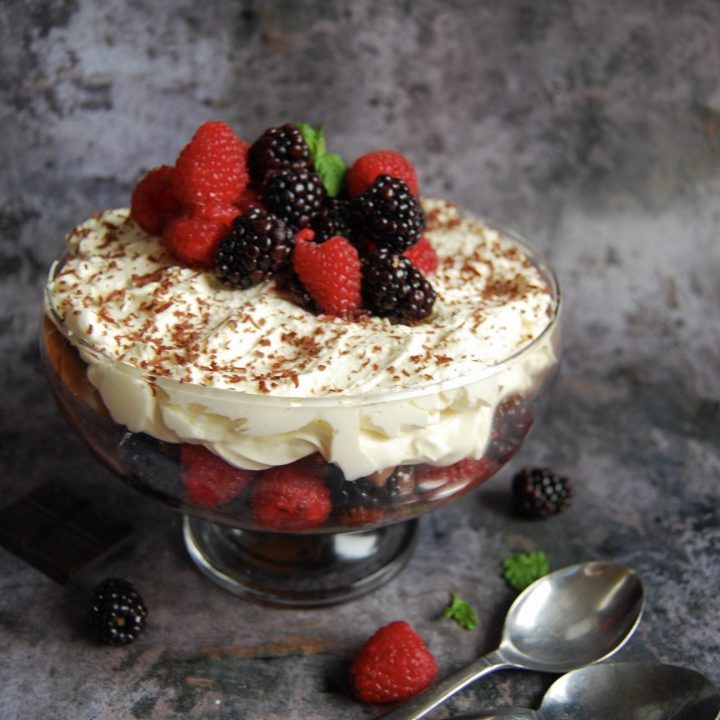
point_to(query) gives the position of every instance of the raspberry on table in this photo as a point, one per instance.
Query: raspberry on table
(209, 480)
(194, 239)
(118, 612)
(257, 247)
(539, 492)
(388, 214)
(365, 170)
(331, 273)
(290, 497)
(392, 287)
(423, 256)
(294, 195)
(394, 664)
(212, 166)
(153, 202)
(278, 148)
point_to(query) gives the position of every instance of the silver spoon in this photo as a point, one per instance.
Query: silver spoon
(570, 618)
(623, 691)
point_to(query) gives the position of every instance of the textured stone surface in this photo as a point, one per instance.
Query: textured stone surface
(593, 128)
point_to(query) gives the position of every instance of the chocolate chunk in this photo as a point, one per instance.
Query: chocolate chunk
(58, 531)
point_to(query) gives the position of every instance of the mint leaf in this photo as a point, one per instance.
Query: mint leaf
(523, 569)
(314, 139)
(331, 169)
(461, 612)
(329, 166)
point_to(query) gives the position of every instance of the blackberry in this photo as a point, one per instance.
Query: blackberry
(256, 248)
(393, 287)
(294, 195)
(292, 286)
(539, 492)
(118, 612)
(388, 214)
(278, 148)
(333, 219)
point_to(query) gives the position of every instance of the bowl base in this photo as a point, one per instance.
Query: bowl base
(298, 570)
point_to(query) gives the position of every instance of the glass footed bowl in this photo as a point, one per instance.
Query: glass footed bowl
(301, 534)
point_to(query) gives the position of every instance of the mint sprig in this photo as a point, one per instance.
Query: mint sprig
(461, 612)
(523, 569)
(329, 166)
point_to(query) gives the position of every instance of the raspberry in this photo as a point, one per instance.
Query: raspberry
(366, 169)
(388, 214)
(212, 166)
(392, 287)
(539, 492)
(290, 497)
(278, 148)
(444, 481)
(193, 240)
(394, 664)
(330, 272)
(118, 612)
(257, 247)
(208, 479)
(423, 256)
(294, 195)
(153, 201)
(220, 212)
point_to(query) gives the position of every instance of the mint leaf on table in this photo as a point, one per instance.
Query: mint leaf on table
(330, 167)
(523, 569)
(461, 612)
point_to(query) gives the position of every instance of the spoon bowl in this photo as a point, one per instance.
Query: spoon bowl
(623, 691)
(572, 617)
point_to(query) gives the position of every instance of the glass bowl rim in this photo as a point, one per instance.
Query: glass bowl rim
(207, 392)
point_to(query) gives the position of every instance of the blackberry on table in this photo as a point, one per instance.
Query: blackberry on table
(256, 248)
(294, 195)
(393, 287)
(388, 214)
(118, 612)
(278, 148)
(539, 492)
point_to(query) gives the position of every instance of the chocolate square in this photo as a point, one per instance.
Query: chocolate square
(58, 531)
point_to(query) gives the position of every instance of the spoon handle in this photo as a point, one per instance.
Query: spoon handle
(422, 704)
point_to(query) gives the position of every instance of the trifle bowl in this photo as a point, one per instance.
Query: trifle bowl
(301, 446)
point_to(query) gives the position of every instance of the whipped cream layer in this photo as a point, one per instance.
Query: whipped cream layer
(262, 382)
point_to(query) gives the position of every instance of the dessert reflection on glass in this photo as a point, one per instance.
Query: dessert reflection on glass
(300, 357)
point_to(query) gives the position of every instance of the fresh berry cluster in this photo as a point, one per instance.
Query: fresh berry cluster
(339, 241)
(310, 493)
(540, 492)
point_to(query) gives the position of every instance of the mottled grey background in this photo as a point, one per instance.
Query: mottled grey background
(591, 127)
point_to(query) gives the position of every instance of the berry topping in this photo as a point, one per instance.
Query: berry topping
(333, 219)
(194, 240)
(330, 272)
(118, 612)
(294, 195)
(366, 169)
(394, 664)
(445, 481)
(153, 200)
(539, 492)
(392, 287)
(212, 166)
(208, 479)
(290, 497)
(256, 248)
(423, 256)
(388, 214)
(276, 149)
